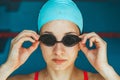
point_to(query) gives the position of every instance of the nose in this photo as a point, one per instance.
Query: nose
(58, 49)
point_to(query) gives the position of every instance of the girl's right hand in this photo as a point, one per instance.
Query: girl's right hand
(18, 54)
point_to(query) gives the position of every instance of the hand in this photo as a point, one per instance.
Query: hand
(98, 56)
(18, 54)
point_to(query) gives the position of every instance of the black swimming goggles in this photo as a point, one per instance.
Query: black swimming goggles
(67, 40)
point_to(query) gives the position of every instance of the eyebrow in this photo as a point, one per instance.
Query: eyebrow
(47, 32)
(65, 33)
(71, 33)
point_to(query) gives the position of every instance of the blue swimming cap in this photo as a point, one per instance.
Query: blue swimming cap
(60, 10)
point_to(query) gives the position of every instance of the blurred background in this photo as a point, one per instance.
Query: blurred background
(100, 16)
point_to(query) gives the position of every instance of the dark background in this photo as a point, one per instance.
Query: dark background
(100, 16)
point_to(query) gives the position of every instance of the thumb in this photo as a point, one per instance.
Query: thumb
(33, 47)
(83, 48)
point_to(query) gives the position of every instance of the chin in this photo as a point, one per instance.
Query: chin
(60, 67)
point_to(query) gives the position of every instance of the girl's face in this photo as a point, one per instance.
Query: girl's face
(58, 56)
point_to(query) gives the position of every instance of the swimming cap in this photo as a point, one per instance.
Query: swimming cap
(60, 10)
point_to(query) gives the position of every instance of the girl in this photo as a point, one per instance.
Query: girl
(60, 38)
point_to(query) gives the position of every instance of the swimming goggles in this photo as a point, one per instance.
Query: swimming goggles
(67, 40)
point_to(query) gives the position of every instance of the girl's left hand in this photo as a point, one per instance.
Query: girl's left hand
(98, 56)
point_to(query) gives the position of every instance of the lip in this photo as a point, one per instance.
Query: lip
(59, 61)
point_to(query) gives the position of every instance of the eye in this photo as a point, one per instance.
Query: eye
(70, 40)
(48, 39)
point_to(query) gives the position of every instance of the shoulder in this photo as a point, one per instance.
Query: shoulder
(22, 77)
(94, 76)
(91, 76)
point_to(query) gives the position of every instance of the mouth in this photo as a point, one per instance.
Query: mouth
(59, 61)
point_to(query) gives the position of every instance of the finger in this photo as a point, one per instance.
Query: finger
(33, 47)
(84, 48)
(98, 42)
(82, 37)
(91, 40)
(91, 43)
(22, 40)
(32, 32)
(27, 33)
(87, 36)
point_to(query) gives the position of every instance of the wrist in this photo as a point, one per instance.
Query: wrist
(108, 73)
(5, 70)
(11, 66)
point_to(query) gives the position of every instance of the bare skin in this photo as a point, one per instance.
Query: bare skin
(63, 71)
(78, 75)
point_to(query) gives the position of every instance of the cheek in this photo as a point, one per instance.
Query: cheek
(46, 52)
(73, 52)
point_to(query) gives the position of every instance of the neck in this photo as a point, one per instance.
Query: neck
(60, 74)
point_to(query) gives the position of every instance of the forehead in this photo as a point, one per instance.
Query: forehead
(60, 27)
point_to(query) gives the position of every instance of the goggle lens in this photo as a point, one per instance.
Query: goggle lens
(68, 40)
